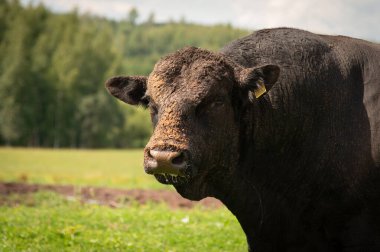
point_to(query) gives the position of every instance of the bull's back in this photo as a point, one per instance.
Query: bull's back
(364, 56)
(371, 97)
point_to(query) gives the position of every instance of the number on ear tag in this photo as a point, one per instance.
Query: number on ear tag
(260, 90)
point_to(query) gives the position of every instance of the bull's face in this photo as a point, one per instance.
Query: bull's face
(194, 97)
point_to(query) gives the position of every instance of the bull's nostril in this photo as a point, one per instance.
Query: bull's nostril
(149, 154)
(179, 159)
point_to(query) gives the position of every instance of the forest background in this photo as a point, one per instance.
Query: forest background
(53, 68)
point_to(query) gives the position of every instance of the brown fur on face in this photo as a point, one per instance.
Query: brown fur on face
(195, 97)
(191, 93)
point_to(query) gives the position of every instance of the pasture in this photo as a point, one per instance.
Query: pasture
(46, 221)
(115, 168)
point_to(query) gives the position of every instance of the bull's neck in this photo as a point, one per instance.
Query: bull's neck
(243, 199)
(240, 194)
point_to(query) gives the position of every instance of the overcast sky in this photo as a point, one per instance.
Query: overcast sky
(357, 18)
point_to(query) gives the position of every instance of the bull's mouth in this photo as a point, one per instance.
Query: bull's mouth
(190, 185)
(170, 179)
(176, 179)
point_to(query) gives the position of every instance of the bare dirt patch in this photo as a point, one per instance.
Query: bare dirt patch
(106, 196)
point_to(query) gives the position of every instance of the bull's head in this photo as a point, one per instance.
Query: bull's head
(195, 98)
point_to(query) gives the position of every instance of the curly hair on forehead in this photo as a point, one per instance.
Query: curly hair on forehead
(174, 64)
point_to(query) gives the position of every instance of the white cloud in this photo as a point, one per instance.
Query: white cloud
(348, 17)
(114, 9)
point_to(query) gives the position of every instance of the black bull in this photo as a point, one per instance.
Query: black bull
(283, 126)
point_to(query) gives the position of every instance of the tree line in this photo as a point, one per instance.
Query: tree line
(53, 67)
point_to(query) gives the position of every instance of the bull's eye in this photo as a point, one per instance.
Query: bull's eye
(216, 103)
(207, 107)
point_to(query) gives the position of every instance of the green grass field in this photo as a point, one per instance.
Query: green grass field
(50, 222)
(115, 168)
(55, 224)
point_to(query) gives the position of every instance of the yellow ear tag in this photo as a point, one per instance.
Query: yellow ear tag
(260, 89)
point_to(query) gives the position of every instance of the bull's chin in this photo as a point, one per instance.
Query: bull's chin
(195, 189)
(189, 186)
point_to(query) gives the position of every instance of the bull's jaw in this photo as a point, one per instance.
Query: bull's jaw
(194, 190)
(199, 187)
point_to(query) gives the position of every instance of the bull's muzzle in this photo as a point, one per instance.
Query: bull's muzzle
(165, 162)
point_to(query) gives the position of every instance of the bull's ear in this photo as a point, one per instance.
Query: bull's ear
(129, 89)
(259, 79)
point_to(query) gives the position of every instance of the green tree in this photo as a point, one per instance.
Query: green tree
(101, 121)
(133, 16)
(151, 19)
(19, 85)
